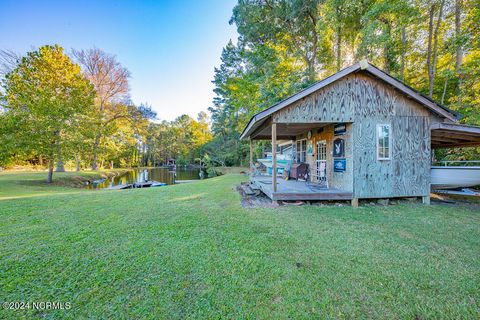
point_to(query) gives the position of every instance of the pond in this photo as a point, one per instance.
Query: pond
(139, 175)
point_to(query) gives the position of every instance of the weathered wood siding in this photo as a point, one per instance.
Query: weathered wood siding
(334, 103)
(408, 171)
(367, 101)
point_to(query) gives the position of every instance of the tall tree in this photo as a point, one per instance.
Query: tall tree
(285, 45)
(43, 97)
(459, 48)
(433, 32)
(110, 80)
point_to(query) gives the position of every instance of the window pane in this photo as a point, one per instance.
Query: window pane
(380, 133)
(386, 132)
(383, 132)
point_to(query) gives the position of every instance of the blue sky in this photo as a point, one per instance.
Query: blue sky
(170, 47)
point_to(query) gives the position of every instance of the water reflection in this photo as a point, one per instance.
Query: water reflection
(142, 175)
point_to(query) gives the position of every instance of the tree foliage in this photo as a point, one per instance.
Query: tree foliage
(46, 98)
(285, 45)
(53, 109)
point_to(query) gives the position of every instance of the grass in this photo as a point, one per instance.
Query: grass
(191, 251)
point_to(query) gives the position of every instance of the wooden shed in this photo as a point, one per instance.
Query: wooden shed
(362, 133)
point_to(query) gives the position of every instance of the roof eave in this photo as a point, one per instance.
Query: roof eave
(362, 65)
(297, 96)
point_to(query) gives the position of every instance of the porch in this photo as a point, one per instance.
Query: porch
(296, 190)
(312, 159)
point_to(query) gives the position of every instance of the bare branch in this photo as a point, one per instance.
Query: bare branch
(8, 61)
(108, 76)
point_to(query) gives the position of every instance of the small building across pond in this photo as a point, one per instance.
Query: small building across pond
(361, 133)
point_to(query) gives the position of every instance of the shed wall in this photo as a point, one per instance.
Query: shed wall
(408, 171)
(367, 101)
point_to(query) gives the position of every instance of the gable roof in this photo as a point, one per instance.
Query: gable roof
(363, 65)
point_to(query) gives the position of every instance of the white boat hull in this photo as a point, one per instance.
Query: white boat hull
(444, 177)
(268, 163)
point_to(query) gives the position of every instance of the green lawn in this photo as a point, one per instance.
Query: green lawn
(191, 251)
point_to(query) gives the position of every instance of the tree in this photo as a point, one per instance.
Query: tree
(9, 60)
(110, 80)
(284, 45)
(44, 96)
(383, 35)
(432, 51)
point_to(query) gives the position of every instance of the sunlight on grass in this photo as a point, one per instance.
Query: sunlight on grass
(39, 194)
(191, 251)
(191, 197)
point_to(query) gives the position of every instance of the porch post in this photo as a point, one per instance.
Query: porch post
(251, 156)
(426, 200)
(274, 157)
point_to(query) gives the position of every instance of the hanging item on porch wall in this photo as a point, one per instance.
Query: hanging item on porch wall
(338, 148)
(339, 165)
(340, 129)
(309, 147)
(309, 134)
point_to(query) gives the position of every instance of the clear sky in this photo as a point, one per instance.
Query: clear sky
(170, 47)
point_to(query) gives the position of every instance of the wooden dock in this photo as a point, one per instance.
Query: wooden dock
(297, 190)
(185, 181)
(146, 184)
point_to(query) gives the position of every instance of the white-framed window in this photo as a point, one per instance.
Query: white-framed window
(384, 133)
(301, 155)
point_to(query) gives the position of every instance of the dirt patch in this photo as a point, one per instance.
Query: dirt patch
(255, 200)
(470, 202)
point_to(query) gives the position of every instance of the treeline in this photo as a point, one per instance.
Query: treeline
(58, 109)
(182, 139)
(286, 45)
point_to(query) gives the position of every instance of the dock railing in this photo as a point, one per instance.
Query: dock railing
(457, 163)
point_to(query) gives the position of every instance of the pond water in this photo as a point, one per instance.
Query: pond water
(147, 174)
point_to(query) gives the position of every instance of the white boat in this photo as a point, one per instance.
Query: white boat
(452, 177)
(283, 162)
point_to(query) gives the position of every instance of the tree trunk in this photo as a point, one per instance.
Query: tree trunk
(60, 165)
(429, 49)
(77, 162)
(95, 152)
(313, 60)
(402, 57)
(111, 164)
(386, 49)
(144, 155)
(444, 89)
(50, 171)
(459, 51)
(339, 48)
(435, 50)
